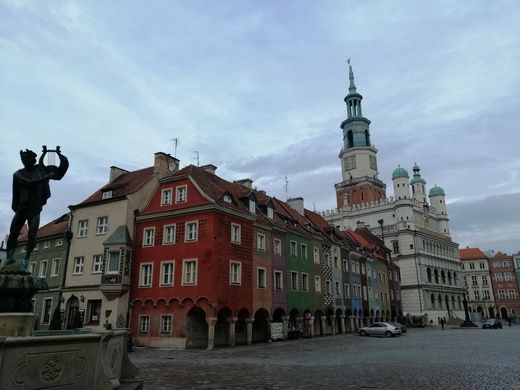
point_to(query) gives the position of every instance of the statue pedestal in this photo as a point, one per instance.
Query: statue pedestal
(17, 324)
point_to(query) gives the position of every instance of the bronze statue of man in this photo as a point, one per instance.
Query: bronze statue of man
(30, 193)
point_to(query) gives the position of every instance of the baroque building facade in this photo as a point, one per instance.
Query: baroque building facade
(413, 222)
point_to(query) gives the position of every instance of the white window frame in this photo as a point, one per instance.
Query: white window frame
(317, 283)
(166, 197)
(167, 275)
(144, 323)
(304, 253)
(191, 235)
(261, 242)
(181, 194)
(59, 242)
(252, 206)
(46, 311)
(316, 255)
(148, 236)
(166, 324)
(236, 233)
(189, 272)
(338, 288)
(169, 232)
(97, 264)
(146, 275)
(235, 273)
(347, 290)
(46, 244)
(294, 280)
(55, 270)
(109, 269)
(345, 265)
(278, 280)
(102, 225)
(293, 248)
(32, 267)
(42, 269)
(79, 263)
(83, 228)
(277, 246)
(305, 282)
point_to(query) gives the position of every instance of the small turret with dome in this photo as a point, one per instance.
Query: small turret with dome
(418, 185)
(400, 178)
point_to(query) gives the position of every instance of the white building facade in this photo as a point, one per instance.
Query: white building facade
(413, 223)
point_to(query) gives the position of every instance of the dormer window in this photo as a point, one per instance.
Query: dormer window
(227, 198)
(252, 206)
(270, 213)
(106, 194)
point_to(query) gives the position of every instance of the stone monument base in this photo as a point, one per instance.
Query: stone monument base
(17, 324)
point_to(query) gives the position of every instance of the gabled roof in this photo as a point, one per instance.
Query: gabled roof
(124, 185)
(57, 227)
(471, 254)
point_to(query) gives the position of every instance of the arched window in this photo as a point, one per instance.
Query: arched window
(429, 274)
(436, 274)
(432, 299)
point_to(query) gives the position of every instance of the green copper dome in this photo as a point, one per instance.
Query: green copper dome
(399, 172)
(416, 175)
(436, 191)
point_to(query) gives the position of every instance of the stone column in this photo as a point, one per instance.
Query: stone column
(323, 325)
(312, 326)
(351, 322)
(249, 331)
(231, 340)
(342, 324)
(285, 319)
(211, 332)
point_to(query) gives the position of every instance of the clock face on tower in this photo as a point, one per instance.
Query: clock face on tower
(373, 163)
(350, 163)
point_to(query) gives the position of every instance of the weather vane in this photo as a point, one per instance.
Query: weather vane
(348, 61)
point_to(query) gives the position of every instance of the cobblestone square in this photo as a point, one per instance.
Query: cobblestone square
(423, 358)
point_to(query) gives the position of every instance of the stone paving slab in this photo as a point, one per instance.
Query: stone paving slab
(423, 358)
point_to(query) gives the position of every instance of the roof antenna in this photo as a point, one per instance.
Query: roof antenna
(175, 142)
(197, 156)
(286, 188)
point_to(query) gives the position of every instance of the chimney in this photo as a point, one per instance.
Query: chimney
(210, 168)
(297, 204)
(164, 164)
(115, 172)
(246, 182)
(360, 225)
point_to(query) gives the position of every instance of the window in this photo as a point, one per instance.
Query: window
(305, 282)
(389, 275)
(395, 276)
(277, 246)
(82, 228)
(252, 206)
(46, 245)
(486, 294)
(496, 264)
(113, 262)
(260, 276)
(498, 277)
(304, 252)
(46, 310)
(507, 276)
(236, 234)
(102, 225)
(511, 294)
(169, 234)
(391, 294)
(471, 265)
(106, 195)
(474, 280)
(316, 255)
(55, 267)
(144, 324)
(148, 236)
(166, 324)
(485, 280)
(189, 272)
(501, 294)
(338, 288)
(260, 242)
(357, 267)
(505, 264)
(43, 269)
(347, 291)
(145, 278)
(97, 264)
(181, 194)
(363, 269)
(345, 265)
(59, 242)
(396, 246)
(398, 295)
(336, 261)
(294, 280)
(78, 265)
(293, 248)
(235, 272)
(270, 213)
(477, 295)
(166, 197)
(191, 231)
(328, 286)
(278, 280)
(482, 265)
(364, 292)
(317, 283)
(94, 311)
(32, 266)
(167, 274)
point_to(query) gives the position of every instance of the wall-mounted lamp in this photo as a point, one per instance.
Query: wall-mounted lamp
(62, 299)
(62, 314)
(82, 298)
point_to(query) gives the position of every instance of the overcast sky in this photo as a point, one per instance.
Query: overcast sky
(257, 88)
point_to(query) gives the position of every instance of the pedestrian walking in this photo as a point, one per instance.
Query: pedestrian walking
(442, 323)
(509, 321)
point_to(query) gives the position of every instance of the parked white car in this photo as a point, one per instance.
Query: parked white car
(380, 329)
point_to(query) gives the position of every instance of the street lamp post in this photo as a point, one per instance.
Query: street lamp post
(467, 323)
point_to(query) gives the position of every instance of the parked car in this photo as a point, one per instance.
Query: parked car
(492, 323)
(380, 329)
(400, 326)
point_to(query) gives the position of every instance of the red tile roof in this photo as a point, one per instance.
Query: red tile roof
(57, 227)
(471, 254)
